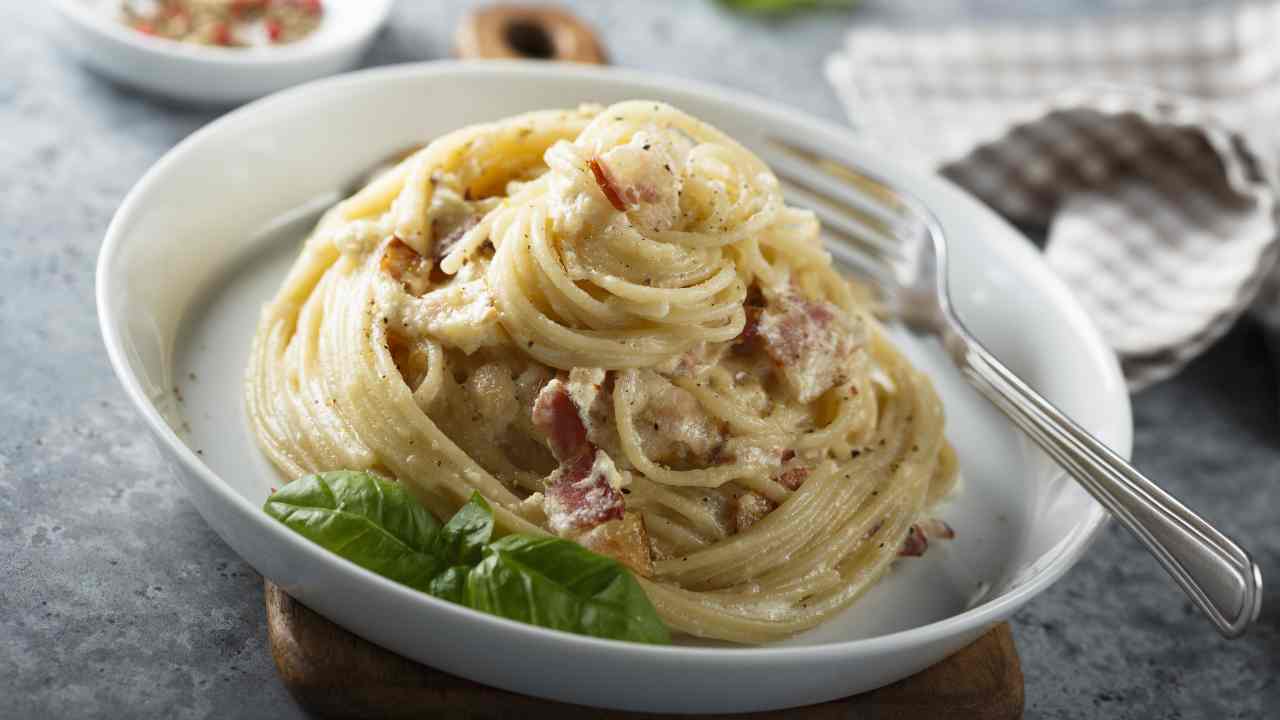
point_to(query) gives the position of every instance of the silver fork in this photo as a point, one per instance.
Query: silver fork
(900, 246)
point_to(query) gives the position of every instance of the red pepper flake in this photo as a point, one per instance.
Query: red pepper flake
(274, 30)
(750, 331)
(793, 478)
(221, 34)
(915, 544)
(240, 6)
(607, 186)
(145, 28)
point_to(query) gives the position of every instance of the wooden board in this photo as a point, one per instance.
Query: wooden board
(334, 674)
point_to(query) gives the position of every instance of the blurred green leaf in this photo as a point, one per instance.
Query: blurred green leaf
(781, 6)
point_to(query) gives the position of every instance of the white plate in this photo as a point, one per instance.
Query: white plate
(200, 243)
(215, 75)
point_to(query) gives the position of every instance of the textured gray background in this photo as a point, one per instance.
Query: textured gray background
(116, 600)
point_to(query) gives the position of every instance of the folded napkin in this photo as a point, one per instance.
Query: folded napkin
(1146, 146)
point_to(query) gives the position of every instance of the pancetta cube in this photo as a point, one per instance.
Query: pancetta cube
(809, 341)
(624, 540)
(582, 493)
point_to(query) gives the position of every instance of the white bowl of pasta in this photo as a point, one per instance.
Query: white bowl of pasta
(753, 627)
(219, 53)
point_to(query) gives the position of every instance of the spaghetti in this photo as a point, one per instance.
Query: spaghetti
(609, 323)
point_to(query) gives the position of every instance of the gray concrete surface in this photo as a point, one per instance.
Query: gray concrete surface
(116, 600)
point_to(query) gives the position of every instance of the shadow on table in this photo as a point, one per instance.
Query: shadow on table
(1234, 383)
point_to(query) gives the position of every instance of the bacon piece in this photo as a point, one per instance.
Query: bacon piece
(750, 330)
(221, 34)
(915, 543)
(607, 185)
(820, 313)
(624, 540)
(750, 508)
(583, 493)
(557, 417)
(406, 266)
(639, 187)
(643, 178)
(808, 342)
(793, 477)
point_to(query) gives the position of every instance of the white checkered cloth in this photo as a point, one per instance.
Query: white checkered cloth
(1146, 146)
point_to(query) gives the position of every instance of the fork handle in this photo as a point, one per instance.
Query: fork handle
(1216, 573)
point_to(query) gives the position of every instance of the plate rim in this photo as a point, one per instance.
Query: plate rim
(1023, 255)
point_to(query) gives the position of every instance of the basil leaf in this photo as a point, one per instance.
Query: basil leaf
(559, 584)
(462, 540)
(372, 522)
(545, 581)
(781, 6)
(451, 585)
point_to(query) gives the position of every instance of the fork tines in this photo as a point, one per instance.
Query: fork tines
(868, 214)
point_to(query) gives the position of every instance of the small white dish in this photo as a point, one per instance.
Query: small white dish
(216, 75)
(205, 237)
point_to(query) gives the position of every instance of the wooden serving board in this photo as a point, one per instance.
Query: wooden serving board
(335, 674)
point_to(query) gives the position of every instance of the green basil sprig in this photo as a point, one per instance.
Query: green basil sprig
(782, 6)
(544, 581)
